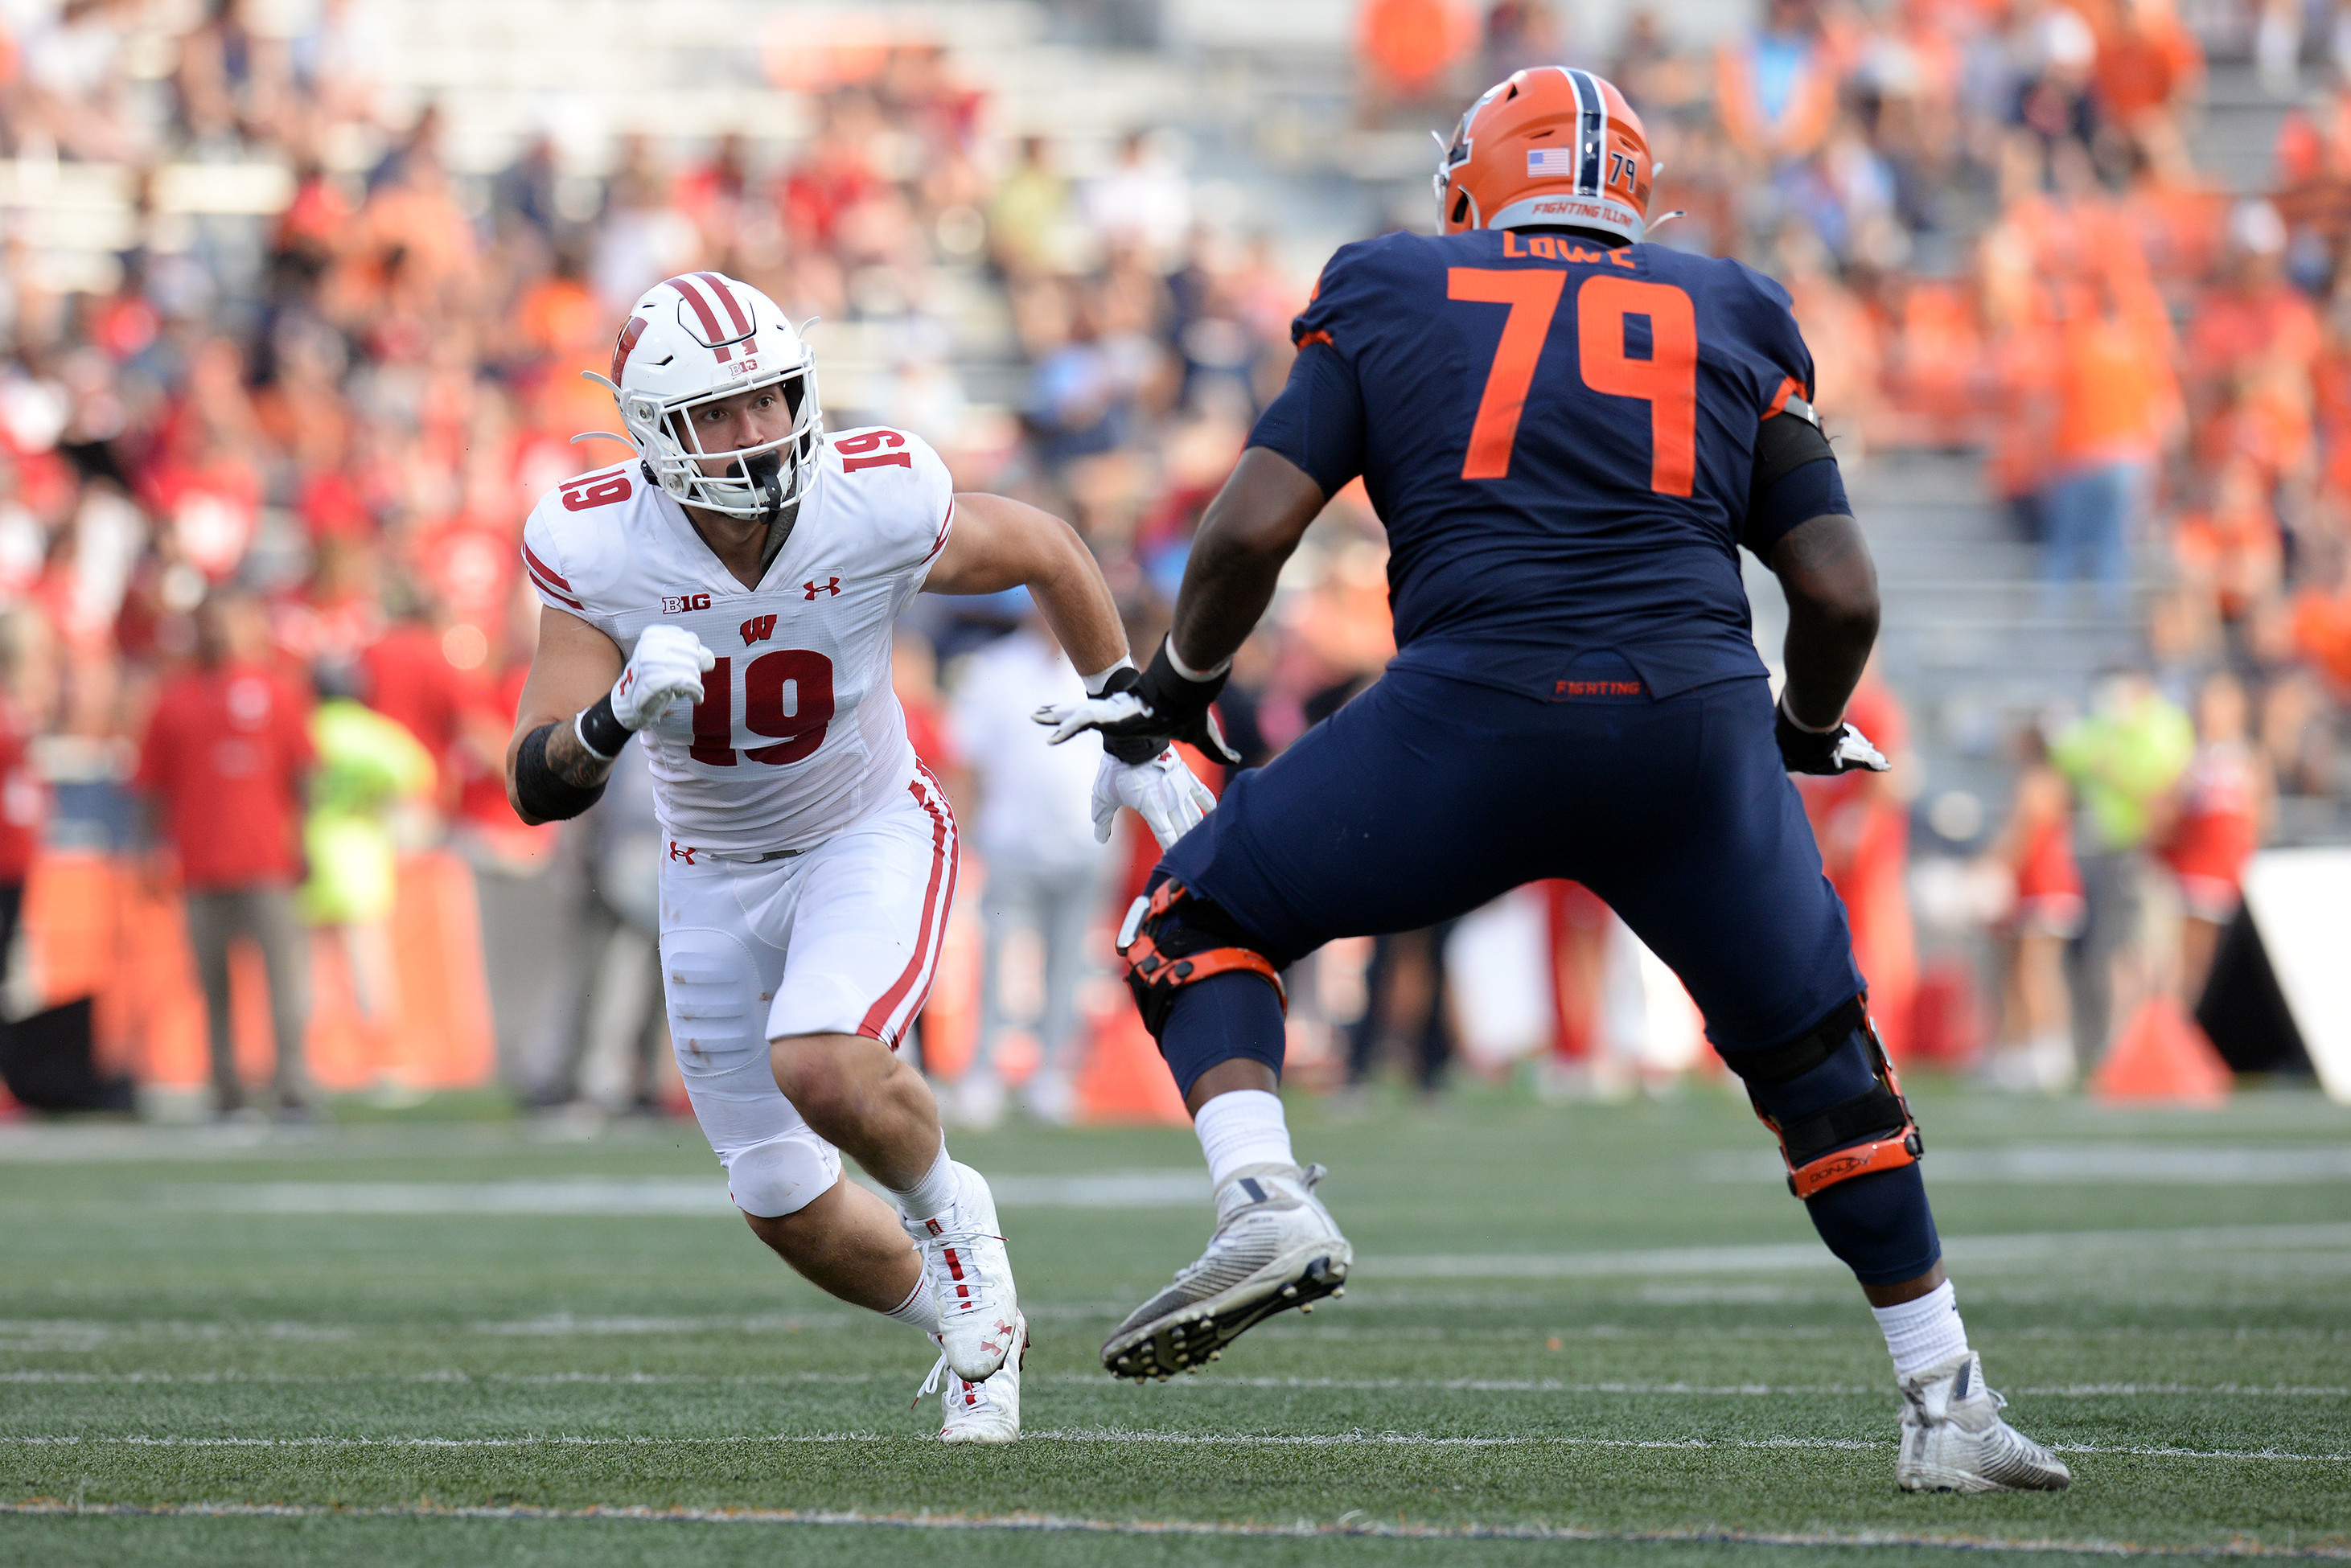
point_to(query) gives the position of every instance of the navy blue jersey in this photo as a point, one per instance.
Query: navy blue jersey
(1561, 440)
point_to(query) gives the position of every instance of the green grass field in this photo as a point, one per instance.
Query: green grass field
(1585, 1335)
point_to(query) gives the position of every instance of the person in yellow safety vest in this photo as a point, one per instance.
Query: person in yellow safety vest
(368, 764)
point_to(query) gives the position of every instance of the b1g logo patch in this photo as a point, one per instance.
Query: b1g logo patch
(679, 604)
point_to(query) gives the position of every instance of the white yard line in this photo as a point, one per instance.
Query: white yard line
(2030, 1247)
(1123, 1435)
(1350, 1524)
(661, 1195)
(1093, 1380)
(2140, 1164)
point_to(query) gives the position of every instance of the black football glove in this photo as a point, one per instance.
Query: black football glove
(1139, 714)
(1838, 750)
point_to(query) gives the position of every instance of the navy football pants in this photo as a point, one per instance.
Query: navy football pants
(1426, 797)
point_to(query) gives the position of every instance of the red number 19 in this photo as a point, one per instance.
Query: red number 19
(798, 733)
(852, 447)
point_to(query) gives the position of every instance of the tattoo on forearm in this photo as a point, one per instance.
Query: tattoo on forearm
(572, 761)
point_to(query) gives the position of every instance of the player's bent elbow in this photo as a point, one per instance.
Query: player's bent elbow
(1849, 613)
(1824, 568)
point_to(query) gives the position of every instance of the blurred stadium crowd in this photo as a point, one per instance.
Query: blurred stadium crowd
(263, 475)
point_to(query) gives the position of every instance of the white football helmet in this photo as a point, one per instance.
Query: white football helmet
(693, 339)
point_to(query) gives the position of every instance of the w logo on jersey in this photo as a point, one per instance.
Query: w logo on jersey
(759, 628)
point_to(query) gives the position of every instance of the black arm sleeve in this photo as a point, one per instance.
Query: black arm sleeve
(544, 796)
(1796, 480)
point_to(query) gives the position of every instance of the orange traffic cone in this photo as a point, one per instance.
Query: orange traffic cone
(2162, 1055)
(1123, 1079)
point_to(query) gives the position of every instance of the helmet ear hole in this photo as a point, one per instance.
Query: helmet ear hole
(1460, 207)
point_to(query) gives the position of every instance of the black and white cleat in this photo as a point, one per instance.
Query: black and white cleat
(1275, 1247)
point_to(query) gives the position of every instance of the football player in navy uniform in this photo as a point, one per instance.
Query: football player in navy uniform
(1569, 434)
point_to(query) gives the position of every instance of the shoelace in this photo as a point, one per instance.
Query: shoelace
(930, 1384)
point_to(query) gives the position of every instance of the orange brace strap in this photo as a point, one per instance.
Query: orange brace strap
(1810, 1145)
(1155, 974)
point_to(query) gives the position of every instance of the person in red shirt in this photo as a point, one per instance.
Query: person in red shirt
(2219, 814)
(22, 801)
(1863, 824)
(222, 765)
(406, 676)
(2034, 1053)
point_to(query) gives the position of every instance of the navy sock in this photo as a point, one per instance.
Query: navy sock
(1218, 1019)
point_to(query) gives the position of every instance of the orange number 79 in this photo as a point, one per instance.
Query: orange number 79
(1667, 381)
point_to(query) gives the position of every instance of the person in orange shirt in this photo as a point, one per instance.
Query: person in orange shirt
(2219, 814)
(2320, 627)
(2253, 313)
(2113, 393)
(2148, 67)
(2035, 850)
(2232, 548)
(1863, 825)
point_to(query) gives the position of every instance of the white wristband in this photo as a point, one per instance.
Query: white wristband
(1790, 715)
(1094, 683)
(580, 733)
(1196, 676)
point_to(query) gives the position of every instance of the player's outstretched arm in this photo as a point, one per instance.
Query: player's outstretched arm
(574, 666)
(1824, 568)
(1251, 529)
(999, 542)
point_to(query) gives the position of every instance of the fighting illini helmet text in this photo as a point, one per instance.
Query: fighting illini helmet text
(1548, 146)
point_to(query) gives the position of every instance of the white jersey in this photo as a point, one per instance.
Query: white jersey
(798, 735)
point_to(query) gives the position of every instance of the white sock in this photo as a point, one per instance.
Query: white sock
(934, 1193)
(1923, 1334)
(1239, 1129)
(920, 1310)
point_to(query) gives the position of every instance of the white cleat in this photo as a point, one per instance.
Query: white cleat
(971, 1280)
(1275, 1247)
(986, 1412)
(1953, 1438)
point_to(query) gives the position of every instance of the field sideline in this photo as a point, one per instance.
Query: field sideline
(1586, 1335)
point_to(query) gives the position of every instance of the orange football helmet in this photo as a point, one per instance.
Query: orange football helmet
(1550, 146)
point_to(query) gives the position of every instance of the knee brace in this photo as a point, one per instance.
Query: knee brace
(1823, 1145)
(783, 1174)
(1171, 939)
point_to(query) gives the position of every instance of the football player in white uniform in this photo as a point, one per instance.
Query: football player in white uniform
(727, 595)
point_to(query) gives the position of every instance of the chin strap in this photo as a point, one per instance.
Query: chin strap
(779, 528)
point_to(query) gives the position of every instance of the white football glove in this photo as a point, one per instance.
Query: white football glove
(666, 667)
(1163, 792)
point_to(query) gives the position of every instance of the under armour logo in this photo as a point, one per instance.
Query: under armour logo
(759, 628)
(681, 851)
(830, 586)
